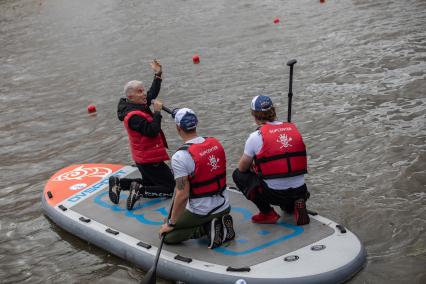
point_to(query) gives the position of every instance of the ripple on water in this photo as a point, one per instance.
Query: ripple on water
(358, 100)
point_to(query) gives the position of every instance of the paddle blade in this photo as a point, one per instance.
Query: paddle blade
(150, 277)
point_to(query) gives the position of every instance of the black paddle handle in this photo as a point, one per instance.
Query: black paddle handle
(290, 87)
(166, 109)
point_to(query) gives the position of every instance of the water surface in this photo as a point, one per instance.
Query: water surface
(359, 100)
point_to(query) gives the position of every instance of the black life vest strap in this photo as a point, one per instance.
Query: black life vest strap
(279, 156)
(286, 156)
(207, 194)
(209, 181)
(217, 207)
(290, 174)
(184, 147)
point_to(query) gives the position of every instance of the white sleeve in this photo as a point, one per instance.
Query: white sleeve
(182, 164)
(253, 144)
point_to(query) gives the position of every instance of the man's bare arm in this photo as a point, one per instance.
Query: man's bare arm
(181, 198)
(245, 163)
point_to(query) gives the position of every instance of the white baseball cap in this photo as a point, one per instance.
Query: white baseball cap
(185, 118)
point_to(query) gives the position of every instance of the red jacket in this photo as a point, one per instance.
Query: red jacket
(283, 153)
(145, 149)
(209, 176)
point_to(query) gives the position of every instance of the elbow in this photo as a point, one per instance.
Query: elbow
(152, 134)
(182, 197)
(152, 131)
(245, 163)
(242, 168)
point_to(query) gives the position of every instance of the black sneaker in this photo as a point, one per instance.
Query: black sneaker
(134, 195)
(228, 228)
(215, 233)
(114, 189)
(300, 213)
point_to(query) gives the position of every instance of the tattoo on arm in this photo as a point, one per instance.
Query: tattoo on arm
(181, 182)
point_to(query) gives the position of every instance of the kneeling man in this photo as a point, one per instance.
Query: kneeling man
(201, 204)
(271, 171)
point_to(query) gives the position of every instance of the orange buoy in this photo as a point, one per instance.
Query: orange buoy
(276, 20)
(91, 109)
(196, 59)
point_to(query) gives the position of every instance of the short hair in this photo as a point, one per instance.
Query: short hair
(269, 115)
(130, 86)
(188, 131)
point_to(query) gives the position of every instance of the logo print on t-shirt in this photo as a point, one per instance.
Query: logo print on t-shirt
(284, 140)
(213, 163)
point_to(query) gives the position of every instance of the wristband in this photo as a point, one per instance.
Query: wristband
(170, 224)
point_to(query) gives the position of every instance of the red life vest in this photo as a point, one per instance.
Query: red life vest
(283, 153)
(145, 149)
(209, 177)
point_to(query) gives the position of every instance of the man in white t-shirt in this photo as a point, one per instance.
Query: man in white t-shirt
(271, 170)
(201, 204)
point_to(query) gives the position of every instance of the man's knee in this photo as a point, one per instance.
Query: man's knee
(239, 181)
(236, 176)
(303, 192)
(172, 238)
(307, 195)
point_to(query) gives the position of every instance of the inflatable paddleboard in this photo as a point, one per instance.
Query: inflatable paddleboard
(76, 199)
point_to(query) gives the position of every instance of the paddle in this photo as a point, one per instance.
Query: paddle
(151, 275)
(290, 87)
(166, 109)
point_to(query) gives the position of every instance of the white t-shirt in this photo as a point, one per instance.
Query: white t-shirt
(183, 165)
(253, 146)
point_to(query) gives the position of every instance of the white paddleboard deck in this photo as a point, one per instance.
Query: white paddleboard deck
(76, 199)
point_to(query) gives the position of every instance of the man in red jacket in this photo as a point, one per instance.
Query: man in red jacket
(271, 170)
(147, 143)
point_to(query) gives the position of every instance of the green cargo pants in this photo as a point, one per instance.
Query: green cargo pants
(191, 226)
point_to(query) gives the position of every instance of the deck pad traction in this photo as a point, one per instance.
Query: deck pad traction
(254, 243)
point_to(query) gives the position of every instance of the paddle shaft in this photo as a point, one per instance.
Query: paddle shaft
(151, 275)
(290, 87)
(166, 109)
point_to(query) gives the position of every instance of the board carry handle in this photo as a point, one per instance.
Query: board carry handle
(183, 258)
(341, 228)
(238, 269)
(144, 245)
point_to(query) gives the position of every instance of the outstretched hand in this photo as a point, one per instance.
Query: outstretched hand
(156, 66)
